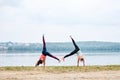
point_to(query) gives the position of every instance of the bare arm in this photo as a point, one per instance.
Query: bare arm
(78, 62)
(44, 63)
(83, 62)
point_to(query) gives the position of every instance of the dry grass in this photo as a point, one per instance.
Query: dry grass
(61, 69)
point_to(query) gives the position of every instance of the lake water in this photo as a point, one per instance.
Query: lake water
(29, 59)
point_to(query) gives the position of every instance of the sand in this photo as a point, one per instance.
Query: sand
(39, 75)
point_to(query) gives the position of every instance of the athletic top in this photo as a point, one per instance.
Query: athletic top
(42, 57)
(79, 52)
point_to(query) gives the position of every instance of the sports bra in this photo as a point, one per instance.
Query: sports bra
(42, 57)
(78, 52)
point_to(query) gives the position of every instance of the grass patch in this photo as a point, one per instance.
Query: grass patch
(61, 69)
(16, 68)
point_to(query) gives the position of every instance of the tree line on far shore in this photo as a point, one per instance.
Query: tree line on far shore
(85, 46)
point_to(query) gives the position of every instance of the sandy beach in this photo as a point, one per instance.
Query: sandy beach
(37, 75)
(40, 74)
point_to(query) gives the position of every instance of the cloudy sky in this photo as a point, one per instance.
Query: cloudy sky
(85, 20)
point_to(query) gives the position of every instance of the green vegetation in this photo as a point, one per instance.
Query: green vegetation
(61, 69)
(87, 46)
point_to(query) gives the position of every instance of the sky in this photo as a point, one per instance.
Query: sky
(85, 20)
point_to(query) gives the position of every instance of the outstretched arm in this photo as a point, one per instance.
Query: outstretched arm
(44, 44)
(78, 62)
(44, 63)
(83, 62)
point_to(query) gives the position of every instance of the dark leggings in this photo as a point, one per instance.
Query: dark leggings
(44, 52)
(73, 52)
(48, 54)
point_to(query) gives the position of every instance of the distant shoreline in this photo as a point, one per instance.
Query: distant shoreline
(86, 46)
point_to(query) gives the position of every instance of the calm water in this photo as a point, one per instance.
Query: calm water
(29, 59)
